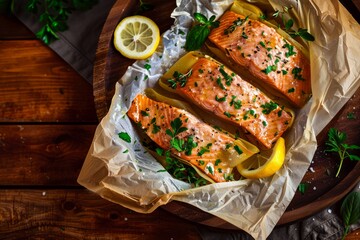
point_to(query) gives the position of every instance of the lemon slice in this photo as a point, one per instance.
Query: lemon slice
(259, 166)
(136, 37)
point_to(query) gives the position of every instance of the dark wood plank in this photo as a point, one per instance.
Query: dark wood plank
(37, 85)
(43, 155)
(12, 28)
(79, 214)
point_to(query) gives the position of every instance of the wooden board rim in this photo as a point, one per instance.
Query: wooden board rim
(178, 208)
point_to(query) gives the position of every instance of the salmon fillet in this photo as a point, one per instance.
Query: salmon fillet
(187, 137)
(215, 88)
(260, 50)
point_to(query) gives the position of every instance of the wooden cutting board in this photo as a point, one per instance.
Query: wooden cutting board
(323, 188)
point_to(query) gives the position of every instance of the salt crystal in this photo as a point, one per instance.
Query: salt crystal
(125, 219)
(43, 193)
(329, 211)
(314, 188)
(312, 169)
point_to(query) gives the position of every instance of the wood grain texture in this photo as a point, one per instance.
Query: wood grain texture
(80, 214)
(43, 155)
(37, 85)
(12, 28)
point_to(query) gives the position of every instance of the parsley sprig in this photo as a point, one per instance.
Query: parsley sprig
(336, 143)
(53, 15)
(199, 32)
(289, 23)
(180, 170)
(179, 79)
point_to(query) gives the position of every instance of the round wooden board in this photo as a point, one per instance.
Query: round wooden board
(324, 189)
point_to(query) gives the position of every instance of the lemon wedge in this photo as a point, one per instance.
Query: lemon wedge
(136, 37)
(259, 166)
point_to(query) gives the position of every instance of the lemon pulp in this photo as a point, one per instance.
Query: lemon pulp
(136, 37)
(259, 166)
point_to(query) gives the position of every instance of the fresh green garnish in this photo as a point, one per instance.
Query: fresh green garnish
(297, 73)
(268, 107)
(182, 171)
(238, 22)
(144, 6)
(177, 128)
(288, 24)
(147, 66)
(350, 210)
(269, 69)
(204, 149)
(222, 99)
(199, 32)
(179, 79)
(336, 143)
(125, 136)
(303, 187)
(53, 15)
(350, 115)
(238, 149)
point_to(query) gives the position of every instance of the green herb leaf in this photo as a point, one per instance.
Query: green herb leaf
(179, 79)
(336, 143)
(238, 22)
(268, 107)
(53, 15)
(125, 136)
(350, 210)
(303, 187)
(198, 33)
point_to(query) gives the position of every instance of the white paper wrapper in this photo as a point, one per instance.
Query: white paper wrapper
(126, 174)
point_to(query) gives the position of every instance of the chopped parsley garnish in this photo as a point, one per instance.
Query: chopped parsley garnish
(210, 169)
(269, 69)
(284, 72)
(228, 78)
(204, 149)
(268, 107)
(156, 128)
(243, 35)
(190, 145)
(264, 123)
(179, 78)
(296, 71)
(291, 90)
(125, 136)
(237, 104)
(238, 149)
(144, 113)
(147, 66)
(290, 51)
(262, 44)
(221, 85)
(222, 99)
(236, 23)
(182, 172)
(229, 115)
(217, 162)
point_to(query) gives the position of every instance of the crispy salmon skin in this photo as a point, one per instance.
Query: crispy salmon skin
(266, 55)
(215, 88)
(188, 138)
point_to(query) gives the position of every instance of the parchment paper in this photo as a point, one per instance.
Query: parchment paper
(126, 174)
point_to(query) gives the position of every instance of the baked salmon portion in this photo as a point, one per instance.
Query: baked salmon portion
(260, 51)
(188, 138)
(215, 88)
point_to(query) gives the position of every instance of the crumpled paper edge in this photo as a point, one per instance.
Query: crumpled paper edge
(254, 206)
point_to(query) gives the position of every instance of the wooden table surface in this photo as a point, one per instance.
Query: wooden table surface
(47, 121)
